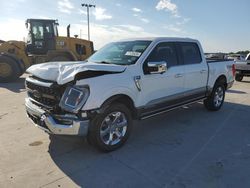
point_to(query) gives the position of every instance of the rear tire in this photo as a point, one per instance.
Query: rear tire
(109, 130)
(238, 77)
(9, 69)
(216, 99)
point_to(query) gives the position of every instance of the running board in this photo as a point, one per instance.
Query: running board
(170, 109)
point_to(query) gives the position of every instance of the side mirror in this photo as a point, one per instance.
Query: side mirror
(157, 67)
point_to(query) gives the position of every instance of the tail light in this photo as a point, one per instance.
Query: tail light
(233, 70)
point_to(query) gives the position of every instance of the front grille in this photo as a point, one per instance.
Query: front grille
(47, 96)
(42, 89)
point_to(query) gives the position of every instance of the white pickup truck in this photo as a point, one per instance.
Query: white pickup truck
(124, 80)
(242, 69)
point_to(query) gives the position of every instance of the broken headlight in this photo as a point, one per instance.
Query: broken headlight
(74, 98)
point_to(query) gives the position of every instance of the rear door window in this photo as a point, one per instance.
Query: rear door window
(190, 53)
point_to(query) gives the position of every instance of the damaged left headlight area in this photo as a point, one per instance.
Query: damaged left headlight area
(74, 98)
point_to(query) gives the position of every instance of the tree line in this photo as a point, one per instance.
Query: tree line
(241, 52)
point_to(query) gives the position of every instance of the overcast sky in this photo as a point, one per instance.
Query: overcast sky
(220, 25)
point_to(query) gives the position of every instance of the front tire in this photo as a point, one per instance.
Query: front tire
(215, 101)
(110, 129)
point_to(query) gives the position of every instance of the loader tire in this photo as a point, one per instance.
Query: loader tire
(9, 69)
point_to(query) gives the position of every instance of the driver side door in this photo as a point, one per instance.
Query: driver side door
(162, 90)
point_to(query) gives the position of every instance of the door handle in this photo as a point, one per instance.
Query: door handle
(178, 75)
(203, 71)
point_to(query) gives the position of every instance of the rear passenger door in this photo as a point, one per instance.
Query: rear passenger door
(196, 70)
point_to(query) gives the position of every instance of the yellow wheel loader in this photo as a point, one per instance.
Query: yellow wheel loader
(43, 45)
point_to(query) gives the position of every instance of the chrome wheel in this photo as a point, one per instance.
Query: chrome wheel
(113, 128)
(218, 96)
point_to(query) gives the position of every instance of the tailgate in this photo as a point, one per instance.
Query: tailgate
(242, 66)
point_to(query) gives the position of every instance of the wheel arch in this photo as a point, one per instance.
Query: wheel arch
(123, 99)
(222, 79)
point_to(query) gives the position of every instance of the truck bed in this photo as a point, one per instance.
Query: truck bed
(216, 66)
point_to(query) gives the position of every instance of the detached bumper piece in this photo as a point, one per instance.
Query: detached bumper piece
(58, 124)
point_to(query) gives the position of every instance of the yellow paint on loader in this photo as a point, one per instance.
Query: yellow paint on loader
(43, 45)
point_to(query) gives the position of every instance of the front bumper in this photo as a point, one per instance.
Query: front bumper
(52, 125)
(243, 72)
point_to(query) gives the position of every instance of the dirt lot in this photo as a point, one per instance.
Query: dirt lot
(189, 147)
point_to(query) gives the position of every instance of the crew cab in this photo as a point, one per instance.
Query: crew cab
(124, 80)
(242, 69)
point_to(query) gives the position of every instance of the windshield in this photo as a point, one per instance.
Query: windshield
(37, 29)
(120, 53)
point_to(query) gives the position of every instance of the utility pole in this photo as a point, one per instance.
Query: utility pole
(88, 6)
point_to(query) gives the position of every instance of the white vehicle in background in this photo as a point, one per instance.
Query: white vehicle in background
(125, 80)
(236, 57)
(248, 58)
(216, 56)
(242, 69)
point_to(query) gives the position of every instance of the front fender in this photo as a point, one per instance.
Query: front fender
(95, 100)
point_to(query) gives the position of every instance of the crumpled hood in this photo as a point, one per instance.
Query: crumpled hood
(63, 72)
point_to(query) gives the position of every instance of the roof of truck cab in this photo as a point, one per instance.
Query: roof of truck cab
(158, 39)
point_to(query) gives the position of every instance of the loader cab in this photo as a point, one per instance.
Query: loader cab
(41, 35)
